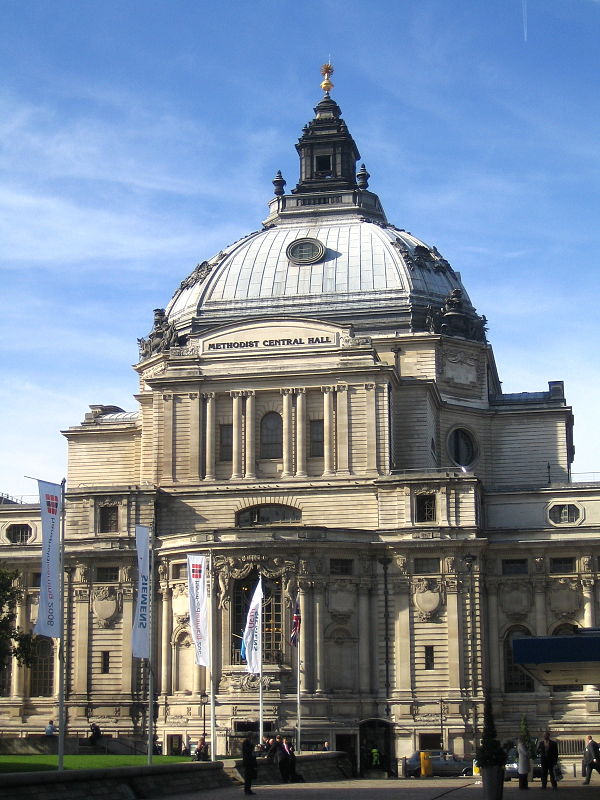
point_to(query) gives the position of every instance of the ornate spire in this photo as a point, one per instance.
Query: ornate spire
(326, 71)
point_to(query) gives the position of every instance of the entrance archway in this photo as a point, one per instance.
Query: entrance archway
(375, 741)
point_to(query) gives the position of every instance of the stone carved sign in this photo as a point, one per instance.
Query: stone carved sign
(565, 597)
(106, 604)
(428, 597)
(515, 599)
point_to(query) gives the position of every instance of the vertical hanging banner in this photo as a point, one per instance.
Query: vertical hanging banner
(253, 632)
(198, 601)
(48, 621)
(141, 623)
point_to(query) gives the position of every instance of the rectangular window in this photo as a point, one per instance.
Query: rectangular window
(340, 566)
(225, 442)
(105, 662)
(429, 657)
(323, 165)
(107, 574)
(425, 508)
(108, 519)
(562, 564)
(427, 566)
(180, 572)
(316, 438)
(36, 580)
(514, 566)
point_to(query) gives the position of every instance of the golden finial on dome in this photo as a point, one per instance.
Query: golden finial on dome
(326, 71)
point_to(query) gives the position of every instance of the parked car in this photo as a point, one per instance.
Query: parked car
(443, 764)
(511, 769)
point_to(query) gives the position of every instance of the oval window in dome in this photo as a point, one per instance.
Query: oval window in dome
(461, 447)
(305, 251)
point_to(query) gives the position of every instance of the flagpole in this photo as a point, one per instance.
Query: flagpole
(213, 683)
(261, 731)
(150, 646)
(61, 632)
(298, 708)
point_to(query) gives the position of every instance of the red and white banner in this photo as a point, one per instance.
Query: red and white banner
(198, 602)
(49, 611)
(253, 632)
(140, 638)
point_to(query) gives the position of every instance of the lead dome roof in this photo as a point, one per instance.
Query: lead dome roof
(371, 274)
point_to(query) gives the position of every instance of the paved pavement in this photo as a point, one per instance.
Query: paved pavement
(408, 789)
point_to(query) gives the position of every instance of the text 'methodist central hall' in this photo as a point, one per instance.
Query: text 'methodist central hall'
(319, 404)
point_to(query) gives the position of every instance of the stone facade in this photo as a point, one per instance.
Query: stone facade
(353, 454)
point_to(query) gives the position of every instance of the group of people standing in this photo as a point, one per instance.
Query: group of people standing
(279, 750)
(547, 752)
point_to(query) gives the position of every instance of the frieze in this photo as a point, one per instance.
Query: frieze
(565, 597)
(515, 599)
(106, 604)
(428, 596)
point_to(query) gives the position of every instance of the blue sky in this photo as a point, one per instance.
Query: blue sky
(138, 138)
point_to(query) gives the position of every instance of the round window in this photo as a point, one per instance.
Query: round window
(305, 251)
(461, 447)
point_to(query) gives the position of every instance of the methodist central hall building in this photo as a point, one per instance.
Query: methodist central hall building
(319, 404)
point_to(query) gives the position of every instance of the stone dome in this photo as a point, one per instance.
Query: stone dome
(326, 251)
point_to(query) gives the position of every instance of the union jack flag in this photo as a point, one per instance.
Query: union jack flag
(296, 622)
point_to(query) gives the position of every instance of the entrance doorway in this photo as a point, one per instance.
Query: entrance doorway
(346, 742)
(430, 741)
(376, 746)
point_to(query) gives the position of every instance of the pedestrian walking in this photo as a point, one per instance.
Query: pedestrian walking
(249, 763)
(591, 758)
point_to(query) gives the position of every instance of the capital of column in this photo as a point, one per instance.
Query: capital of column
(236, 393)
(209, 395)
(300, 390)
(167, 397)
(248, 393)
(285, 392)
(341, 387)
(327, 389)
(370, 386)
(193, 395)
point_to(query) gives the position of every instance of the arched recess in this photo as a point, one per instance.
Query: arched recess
(515, 678)
(272, 611)
(342, 658)
(182, 670)
(566, 629)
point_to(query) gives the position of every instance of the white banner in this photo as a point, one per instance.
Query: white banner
(198, 600)
(253, 632)
(49, 611)
(141, 624)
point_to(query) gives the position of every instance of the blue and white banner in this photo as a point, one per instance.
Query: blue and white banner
(48, 621)
(253, 632)
(142, 620)
(198, 602)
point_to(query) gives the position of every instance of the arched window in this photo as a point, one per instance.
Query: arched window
(515, 678)
(41, 682)
(268, 514)
(566, 629)
(271, 435)
(272, 614)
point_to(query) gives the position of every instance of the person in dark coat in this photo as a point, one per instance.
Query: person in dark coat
(591, 758)
(281, 757)
(249, 763)
(548, 752)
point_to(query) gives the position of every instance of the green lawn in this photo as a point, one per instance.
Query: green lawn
(37, 763)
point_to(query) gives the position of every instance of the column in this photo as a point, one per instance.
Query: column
(494, 649)
(210, 436)
(300, 433)
(236, 469)
(127, 657)
(403, 654)
(364, 627)
(458, 637)
(195, 435)
(342, 434)
(327, 429)
(371, 426)
(287, 432)
(17, 681)
(250, 472)
(81, 645)
(306, 637)
(165, 640)
(319, 636)
(589, 620)
(197, 679)
(539, 585)
(168, 420)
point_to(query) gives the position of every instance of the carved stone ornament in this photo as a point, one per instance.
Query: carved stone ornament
(356, 341)
(180, 603)
(162, 337)
(565, 597)
(239, 567)
(538, 564)
(250, 683)
(400, 562)
(106, 604)
(461, 367)
(428, 597)
(516, 599)
(342, 599)
(586, 564)
(456, 318)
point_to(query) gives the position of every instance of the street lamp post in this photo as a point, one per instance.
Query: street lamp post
(203, 703)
